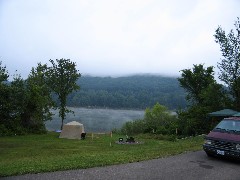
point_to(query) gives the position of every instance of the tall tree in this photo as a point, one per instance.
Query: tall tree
(30, 101)
(230, 64)
(62, 78)
(4, 96)
(205, 96)
(38, 99)
(195, 80)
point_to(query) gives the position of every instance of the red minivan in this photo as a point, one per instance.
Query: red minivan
(224, 139)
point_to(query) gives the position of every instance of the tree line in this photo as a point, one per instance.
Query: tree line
(130, 92)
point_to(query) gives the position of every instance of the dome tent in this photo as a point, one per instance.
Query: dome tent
(72, 130)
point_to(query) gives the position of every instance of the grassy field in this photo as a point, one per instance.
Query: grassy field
(44, 153)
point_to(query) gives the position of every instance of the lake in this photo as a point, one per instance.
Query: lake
(96, 120)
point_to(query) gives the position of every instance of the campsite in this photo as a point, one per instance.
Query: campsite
(94, 83)
(47, 152)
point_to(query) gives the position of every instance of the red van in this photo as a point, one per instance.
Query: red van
(224, 139)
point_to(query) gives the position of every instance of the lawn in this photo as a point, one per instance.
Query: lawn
(44, 153)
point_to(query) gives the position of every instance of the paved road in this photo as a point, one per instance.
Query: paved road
(191, 165)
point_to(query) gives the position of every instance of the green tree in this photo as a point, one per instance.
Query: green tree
(158, 120)
(62, 78)
(215, 97)
(3, 73)
(24, 104)
(38, 100)
(4, 99)
(205, 95)
(137, 126)
(230, 64)
(30, 102)
(195, 80)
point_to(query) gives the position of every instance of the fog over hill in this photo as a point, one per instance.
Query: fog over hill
(128, 92)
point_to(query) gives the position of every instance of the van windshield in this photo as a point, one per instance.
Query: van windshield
(229, 126)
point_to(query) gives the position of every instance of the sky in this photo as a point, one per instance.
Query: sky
(114, 37)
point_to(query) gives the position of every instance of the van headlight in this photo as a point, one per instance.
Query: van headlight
(208, 142)
(238, 147)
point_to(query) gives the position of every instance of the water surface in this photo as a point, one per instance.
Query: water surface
(96, 120)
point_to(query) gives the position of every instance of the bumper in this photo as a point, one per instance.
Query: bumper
(234, 154)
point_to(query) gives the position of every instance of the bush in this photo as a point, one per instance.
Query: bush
(11, 131)
(133, 127)
(162, 130)
(4, 131)
(157, 120)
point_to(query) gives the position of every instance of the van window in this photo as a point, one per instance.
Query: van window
(228, 125)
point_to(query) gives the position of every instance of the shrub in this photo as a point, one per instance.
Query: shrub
(157, 120)
(133, 127)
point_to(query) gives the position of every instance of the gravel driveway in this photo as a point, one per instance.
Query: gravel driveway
(191, 165)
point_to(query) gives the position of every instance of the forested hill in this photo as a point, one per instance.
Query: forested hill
(134, 92)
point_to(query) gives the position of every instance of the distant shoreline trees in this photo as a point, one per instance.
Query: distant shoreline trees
(130, 92)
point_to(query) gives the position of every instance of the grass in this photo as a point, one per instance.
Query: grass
(45, 153)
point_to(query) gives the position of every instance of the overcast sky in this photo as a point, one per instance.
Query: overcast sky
(114, 37)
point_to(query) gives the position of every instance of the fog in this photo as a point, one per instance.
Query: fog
(96, 120)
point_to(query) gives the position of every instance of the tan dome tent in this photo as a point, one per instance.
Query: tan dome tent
(72, 130)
